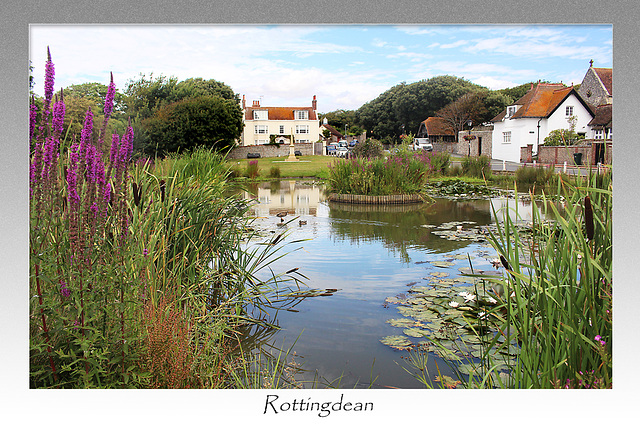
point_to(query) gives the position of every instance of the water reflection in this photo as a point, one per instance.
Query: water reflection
(368, 253)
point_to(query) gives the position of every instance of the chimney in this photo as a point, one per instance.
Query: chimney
(314, 103)
(256, 103)
(244, 103)
(531, 86)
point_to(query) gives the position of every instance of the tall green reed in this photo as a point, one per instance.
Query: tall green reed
(557, 299)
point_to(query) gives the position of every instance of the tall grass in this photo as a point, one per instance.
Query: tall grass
(405, 173)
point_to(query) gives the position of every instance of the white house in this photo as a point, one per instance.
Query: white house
(547, 106)
(260, 123)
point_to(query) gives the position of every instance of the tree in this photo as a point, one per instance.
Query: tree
(339, 118)
(409, 105)
(564, 136)
(469, 107)
(207, 121)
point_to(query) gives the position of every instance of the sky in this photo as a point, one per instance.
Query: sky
(344, 66)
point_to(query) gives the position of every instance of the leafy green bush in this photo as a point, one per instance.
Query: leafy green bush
(538, 175)
(274, 172)
(479, 167)
(253, 170)
(440, 162)
(371, 148)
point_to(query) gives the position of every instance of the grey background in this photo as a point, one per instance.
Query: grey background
(57, 408)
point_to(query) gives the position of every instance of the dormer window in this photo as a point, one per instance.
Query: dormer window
(261, 115)
(511, 110)
(302, 115)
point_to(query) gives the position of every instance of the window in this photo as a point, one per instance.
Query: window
(302, 115)
(610, 133)
(261, 115)
(569, 111)
(302, 128)
(281, 130)
(597, 134)
(506, 137)
(302, 141)
(261, 129)
(511, 110)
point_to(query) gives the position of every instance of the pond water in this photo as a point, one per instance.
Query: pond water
(367, 253)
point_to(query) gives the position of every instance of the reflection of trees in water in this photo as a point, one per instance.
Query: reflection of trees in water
(401, 227)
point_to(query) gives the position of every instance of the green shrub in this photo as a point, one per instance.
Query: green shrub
(274, 172)
(478, 167)
(253, 170)
(440, 162)
(371, 148)
(538, 175)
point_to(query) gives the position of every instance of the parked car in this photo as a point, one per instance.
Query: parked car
(343, 143)
(342, 152)
(297, 153)
(353, 143)
(422, 144)
(331, 149)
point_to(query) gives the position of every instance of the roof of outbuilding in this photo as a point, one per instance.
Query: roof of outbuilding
(602, 117)
(437, 126)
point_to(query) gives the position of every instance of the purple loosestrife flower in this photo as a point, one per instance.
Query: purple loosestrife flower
(126, 145)
(33, 114)
(58, 115)
(108, 102)
(85, 135)
(49, 77)
(72, 177)
(64, 290)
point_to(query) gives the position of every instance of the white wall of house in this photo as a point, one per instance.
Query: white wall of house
(510, 135)
(257, 132)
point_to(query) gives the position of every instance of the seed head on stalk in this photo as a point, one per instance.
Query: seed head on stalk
(588, 217)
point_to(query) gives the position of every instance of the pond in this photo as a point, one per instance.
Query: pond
(372, 256)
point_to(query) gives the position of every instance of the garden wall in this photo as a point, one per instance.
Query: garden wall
(307, 149)
(557, 155)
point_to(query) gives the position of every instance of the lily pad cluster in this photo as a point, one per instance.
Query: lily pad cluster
(461, 230)
(458, 189)
(451, 317)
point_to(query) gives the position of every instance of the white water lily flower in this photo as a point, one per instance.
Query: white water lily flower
(491, 300)
(482, 315)
(469, 297)
(464, 294)
(453, 304)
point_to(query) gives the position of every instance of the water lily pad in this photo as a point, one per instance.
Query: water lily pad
(394, 300)
(396, 341)
(439, 274)
(416, 332)
(402, 323)
(463, 256)
(442, 264)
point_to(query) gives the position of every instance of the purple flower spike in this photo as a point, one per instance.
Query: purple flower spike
(49, 77)
(33, 114)
(58, 114)
(108, 102)
(85, 135)
(64, 290)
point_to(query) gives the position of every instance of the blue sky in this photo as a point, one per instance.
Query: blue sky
(345, 66)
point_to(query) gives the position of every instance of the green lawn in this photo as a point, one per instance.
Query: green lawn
(307, 166)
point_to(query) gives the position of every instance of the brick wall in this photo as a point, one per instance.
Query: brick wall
(560, 154)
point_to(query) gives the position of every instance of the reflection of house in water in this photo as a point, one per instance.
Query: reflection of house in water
(289, 196)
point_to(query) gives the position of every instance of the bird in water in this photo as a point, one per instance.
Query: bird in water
(281, 215)
(302, 222)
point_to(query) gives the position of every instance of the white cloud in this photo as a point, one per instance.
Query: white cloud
(454, 44)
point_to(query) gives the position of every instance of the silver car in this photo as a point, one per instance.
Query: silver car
(422, 144)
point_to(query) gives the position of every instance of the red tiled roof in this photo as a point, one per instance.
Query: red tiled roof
(332, 130)
(280, 113)
(437, 126)
(541, 101)
(606, 77)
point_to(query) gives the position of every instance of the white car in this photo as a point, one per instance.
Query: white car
(342, 152)
(422, 144)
